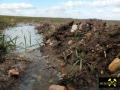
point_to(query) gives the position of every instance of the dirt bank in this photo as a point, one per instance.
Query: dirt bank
(86, 52)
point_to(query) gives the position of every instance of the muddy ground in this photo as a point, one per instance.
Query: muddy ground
(78, 58)
(7, 82)
(86, 52)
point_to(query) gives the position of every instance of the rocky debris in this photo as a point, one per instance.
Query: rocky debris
(57, 87)
(114, 65)
(95, 42)
(45, 27)
(13, 66)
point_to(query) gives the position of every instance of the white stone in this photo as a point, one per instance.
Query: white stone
(74, 28)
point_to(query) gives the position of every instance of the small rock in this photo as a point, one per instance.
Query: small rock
(48, 41)
(101, 72)
(70, 87)
(70, 42)
(114, 65)
(14, 72)
(57, 87)
(74, 28)
(88, 35)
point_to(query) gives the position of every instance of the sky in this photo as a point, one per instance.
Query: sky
(79, 9)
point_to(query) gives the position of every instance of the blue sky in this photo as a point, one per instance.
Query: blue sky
(82, 9)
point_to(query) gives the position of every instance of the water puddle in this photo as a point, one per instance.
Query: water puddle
(25, 35)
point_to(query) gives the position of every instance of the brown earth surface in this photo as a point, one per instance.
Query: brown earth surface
(8, 79)
(87, 52)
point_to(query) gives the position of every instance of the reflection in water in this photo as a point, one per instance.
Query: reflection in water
(26, 35)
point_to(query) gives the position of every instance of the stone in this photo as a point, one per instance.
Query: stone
(70, 42)
(16, 70)
(74, 28)
(48, 41)
(57, 87)
(88, 35)
(70, 87)
(114, 65)
(13, 72)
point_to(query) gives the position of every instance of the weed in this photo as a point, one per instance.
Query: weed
(30, 39)
(78, 35)
(6, 44)
(25, 42)
(79, 60)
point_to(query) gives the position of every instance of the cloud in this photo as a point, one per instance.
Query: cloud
(15, 6)
(64, 6)
(73, 4)
(92, 3)
(101, 9)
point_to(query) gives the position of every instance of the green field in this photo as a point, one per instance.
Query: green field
(17, 19)
(13, 20)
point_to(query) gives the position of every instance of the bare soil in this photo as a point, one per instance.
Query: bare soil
(97, 43)
(7, 82)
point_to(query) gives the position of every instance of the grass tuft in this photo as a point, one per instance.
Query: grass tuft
(6, 44)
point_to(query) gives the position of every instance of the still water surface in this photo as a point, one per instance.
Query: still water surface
(26, 37)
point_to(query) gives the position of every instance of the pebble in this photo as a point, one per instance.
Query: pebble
(57, 87)
(114, 65)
